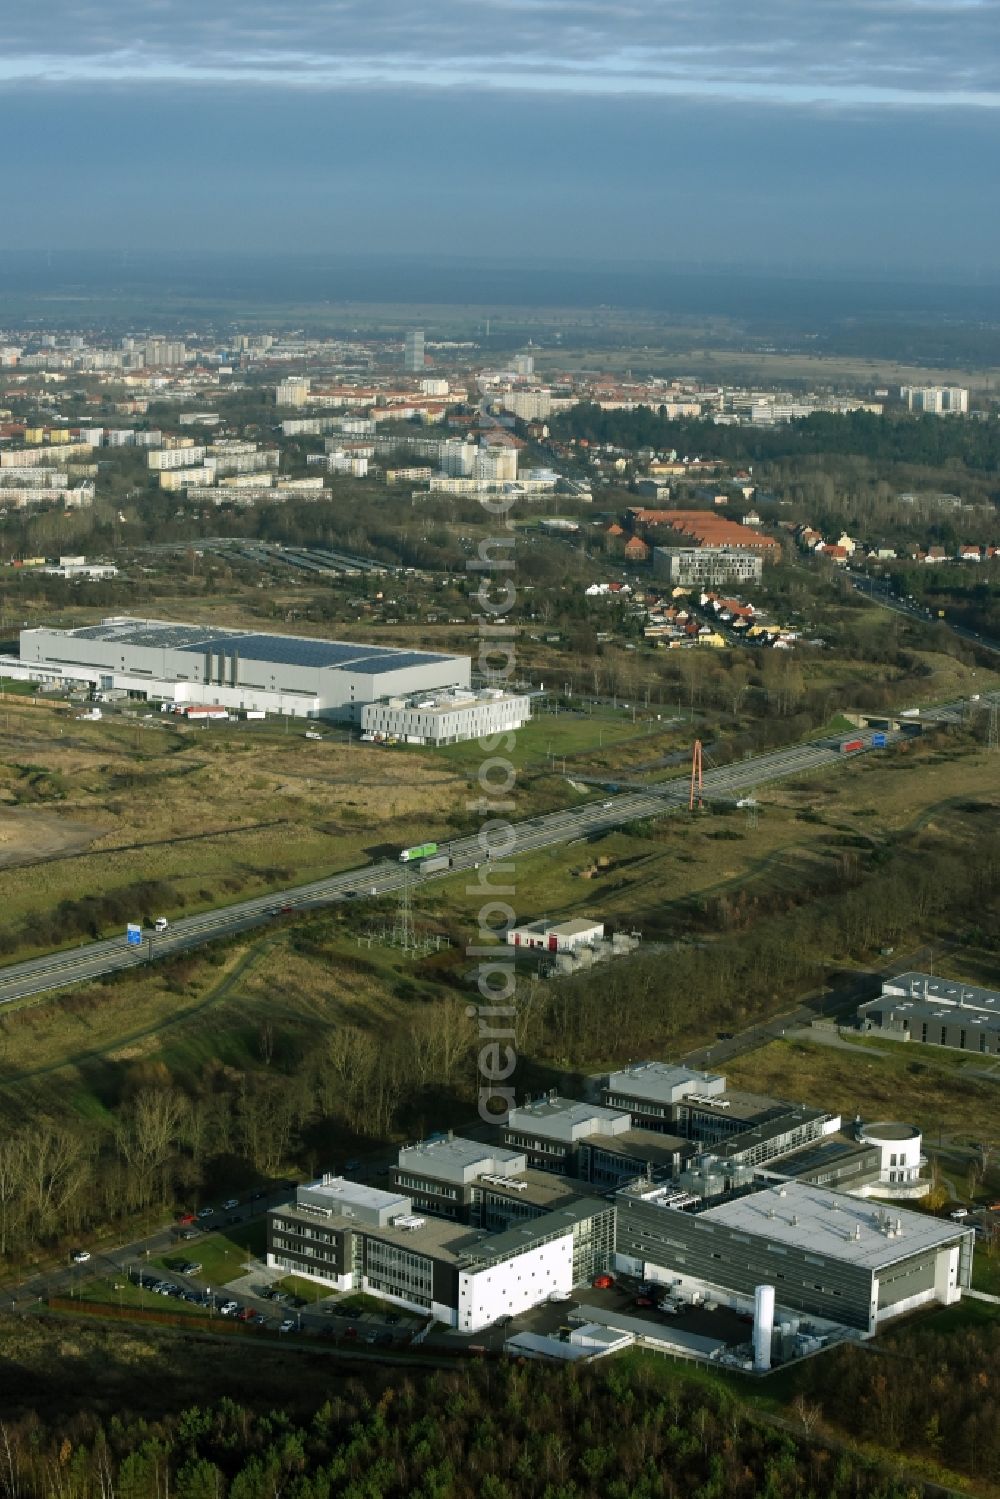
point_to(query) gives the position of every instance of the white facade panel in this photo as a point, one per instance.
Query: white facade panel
(515, 1285)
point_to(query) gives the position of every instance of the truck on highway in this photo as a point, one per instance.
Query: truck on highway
(435, 863)
(851, 746)
(418, 851)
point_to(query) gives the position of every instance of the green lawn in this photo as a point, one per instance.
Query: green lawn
(556, 734)
(986, 1272)
(307, 1290)
(222, 1255)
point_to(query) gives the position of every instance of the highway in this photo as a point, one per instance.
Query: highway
(880, 593)
(72, 966)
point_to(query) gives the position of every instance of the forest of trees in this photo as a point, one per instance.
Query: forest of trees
(934, 1393)
(929, 441)
(504, 1432)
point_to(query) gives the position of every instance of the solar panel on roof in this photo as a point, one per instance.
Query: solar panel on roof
(399, 660)
(292, 650)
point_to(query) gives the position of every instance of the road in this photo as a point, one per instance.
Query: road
(880, 593)
(72, 966)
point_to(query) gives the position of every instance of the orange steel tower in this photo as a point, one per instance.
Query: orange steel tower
(696, 780)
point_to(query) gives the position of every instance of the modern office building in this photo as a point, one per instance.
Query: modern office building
(355, 1238)
(450, 717)
(653, 1091)
(932, 1011)
(826, 1254)
(551, 1131)
(160, 661)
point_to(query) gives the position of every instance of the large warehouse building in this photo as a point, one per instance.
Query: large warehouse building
(158, 661)
(825, 1253)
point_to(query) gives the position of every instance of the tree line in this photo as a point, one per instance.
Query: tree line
(512, 1431)
(930, 441)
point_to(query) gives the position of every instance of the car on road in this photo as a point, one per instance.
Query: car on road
(643, 1301)
(257, 1319)
(245, 1314)
(80, 1256)
(287, 1325)
(603, 1282)
(229, 1309)
(186, 1219)
(188, 1267)
(207, 1213)
(233, 1202)
(350, 1332)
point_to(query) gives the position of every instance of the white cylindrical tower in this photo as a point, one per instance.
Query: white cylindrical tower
(763, 1326)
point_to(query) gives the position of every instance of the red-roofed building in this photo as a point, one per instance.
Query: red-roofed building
(636, 550)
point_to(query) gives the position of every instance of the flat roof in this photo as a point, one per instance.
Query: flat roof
(560, 1118)
(336, 1192)
(941, 1011)
(647, 1144)
(494, 1247)
(250, 645)
(734, 1103)
(459, 1159)
(818, 1221)
(541, 1189)
(819, 1154)
(659, 1081)
(933, 989)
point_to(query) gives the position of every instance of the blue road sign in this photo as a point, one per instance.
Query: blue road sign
(133, 934)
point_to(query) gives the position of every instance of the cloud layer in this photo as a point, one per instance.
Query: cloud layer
(927, 53)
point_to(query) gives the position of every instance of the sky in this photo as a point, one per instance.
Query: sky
(786, 135)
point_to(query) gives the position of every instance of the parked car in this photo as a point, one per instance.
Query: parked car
(288, 1325)
(603, 1282)
(350, 1332)
(385, 1340)
(643, 1301)
(229, 1309)
(81, 1256)
(233, 1202)
(245, 1314)
(207, 1213)
(393, 1318)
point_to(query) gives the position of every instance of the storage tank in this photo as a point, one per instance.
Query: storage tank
(763, 1326)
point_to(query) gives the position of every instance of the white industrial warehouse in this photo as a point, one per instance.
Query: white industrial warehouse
(244, 670)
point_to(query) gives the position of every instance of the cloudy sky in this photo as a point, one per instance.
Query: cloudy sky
(773, 133)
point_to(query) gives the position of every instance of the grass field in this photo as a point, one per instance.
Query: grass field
(947, 1102)
(214, 814)
(79, 1051)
